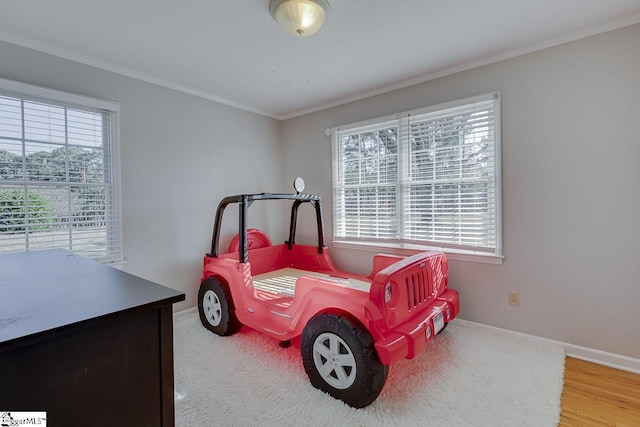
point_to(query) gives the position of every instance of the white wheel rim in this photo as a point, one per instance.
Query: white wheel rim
(212, 308)
(334, 361)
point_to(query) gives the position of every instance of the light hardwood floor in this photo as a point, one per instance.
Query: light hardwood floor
(596, 395)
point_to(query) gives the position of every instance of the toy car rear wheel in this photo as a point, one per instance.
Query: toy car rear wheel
(217, 312)
(340, 359)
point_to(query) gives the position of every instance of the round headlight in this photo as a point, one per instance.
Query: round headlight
(387, 293)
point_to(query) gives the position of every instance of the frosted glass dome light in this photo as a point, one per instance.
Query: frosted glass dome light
(299, 17)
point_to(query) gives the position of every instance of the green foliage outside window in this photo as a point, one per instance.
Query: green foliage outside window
(13, 209)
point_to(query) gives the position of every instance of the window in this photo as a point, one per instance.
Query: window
(426, 178)
(58, 172)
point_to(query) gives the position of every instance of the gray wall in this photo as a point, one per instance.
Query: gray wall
(179, 156)
(571, 188)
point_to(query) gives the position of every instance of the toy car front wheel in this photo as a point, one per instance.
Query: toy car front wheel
(217, 312)
(340, 359)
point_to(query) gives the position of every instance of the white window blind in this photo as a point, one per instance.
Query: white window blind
(429, 177)
(58, 173)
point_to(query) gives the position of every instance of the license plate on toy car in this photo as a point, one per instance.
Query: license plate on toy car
(438, 323)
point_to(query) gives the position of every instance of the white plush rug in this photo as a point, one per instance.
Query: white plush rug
(470, 375)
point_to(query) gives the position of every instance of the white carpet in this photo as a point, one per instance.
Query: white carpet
(471, 375)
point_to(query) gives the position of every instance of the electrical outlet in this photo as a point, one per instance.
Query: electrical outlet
(514, 298)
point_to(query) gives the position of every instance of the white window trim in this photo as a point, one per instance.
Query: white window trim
(52, 94)
(47, 94)
(406, 249)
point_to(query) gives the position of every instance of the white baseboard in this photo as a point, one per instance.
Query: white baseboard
(182, 313)
(600, 357)
(612, 360)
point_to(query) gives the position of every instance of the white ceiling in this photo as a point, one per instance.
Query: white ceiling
(232, 51)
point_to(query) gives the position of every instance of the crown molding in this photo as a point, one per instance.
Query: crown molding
(431, 75)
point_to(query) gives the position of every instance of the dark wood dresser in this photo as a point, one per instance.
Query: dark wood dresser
(88, 344)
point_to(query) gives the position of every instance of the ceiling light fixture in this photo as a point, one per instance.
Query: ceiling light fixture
(299, 17)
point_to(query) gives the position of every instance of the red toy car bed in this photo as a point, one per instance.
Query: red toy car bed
(352, 327)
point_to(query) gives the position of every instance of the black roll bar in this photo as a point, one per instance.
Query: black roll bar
(246, 200)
